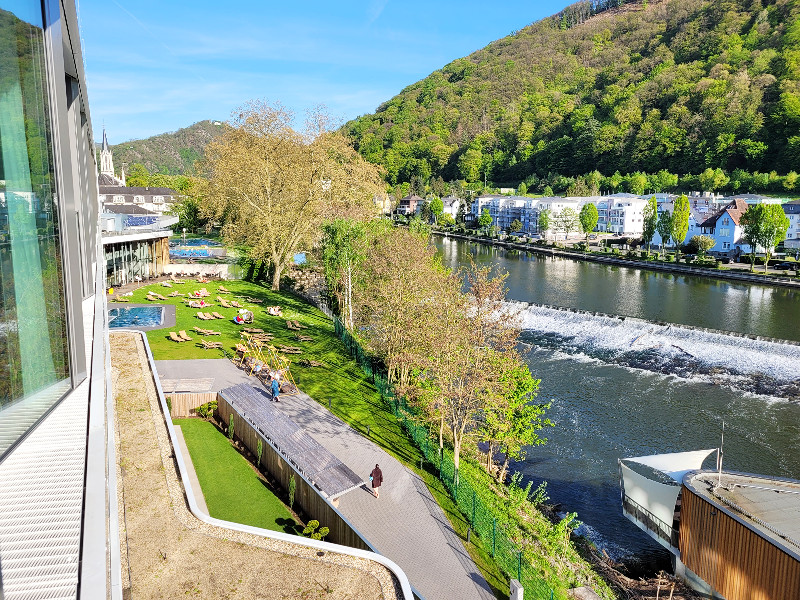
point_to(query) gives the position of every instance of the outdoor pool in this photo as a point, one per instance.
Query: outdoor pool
(199, 242)
(136, 316)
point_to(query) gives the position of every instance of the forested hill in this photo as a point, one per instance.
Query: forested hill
(171, 153)
(680, 85)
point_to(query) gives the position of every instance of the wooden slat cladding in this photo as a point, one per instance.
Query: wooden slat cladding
(737, 562)
(306, 495)
(185, 405)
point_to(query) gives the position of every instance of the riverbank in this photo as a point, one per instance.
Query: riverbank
(722, 274)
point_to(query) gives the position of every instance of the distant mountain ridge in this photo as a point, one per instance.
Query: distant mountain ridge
(172, 153)
(605, 85)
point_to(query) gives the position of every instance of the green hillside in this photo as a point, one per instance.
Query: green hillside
(171, 153)
(680, 85)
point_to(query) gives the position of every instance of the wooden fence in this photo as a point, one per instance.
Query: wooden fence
(185, 405)
(306, 495)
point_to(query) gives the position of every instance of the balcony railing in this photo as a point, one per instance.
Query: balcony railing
(665, 532)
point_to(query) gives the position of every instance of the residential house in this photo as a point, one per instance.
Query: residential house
(724, 226)
(451, 205)
(792, 210)
(409, 205)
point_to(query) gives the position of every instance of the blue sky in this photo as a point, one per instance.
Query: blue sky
(155, 66)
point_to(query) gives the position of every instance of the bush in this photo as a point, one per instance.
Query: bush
(688, 260)
(630, 254)
(207, 410)
(615, 251)
(169, 405)
(644, 254)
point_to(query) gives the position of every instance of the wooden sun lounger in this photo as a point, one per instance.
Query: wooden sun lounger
(120, 299)
(224, 290)
(224, 304)
(176, 294)
(174, 337)
(166, 284)
(211, 345)
(202, 316)
(304, 338)
(209, 317)
(218, 316)
(253, 330)
(290, 325)
(184, 337)
(290, 349)
(236, 304)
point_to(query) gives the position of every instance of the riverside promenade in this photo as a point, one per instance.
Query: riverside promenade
(739, 274)
(405, 524)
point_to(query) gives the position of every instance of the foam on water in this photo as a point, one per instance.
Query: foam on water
(760, 366)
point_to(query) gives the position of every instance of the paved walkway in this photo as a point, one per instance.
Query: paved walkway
(405, 523)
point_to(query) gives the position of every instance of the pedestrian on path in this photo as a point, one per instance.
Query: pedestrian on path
(276, 388)
(376, 477)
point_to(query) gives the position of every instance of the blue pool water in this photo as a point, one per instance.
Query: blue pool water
(187, 253)
(200, 242)
(136, 316)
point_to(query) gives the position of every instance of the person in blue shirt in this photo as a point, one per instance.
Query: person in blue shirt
(276, 387)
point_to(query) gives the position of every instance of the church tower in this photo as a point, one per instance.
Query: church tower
(106, 158)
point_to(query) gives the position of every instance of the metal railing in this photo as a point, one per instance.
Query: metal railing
(664, 531)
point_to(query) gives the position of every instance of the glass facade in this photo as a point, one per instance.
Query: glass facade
(127, 262)
(34, 353)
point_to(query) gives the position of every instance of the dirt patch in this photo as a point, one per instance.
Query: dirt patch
(169, 553)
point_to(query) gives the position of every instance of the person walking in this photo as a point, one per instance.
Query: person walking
(276, 387)
(376, 477)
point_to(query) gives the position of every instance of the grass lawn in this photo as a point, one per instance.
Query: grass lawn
(232, 489)
(352, 397)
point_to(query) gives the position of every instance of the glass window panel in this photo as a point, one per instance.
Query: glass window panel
(34, 360)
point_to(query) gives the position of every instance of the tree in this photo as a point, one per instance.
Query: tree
(765, 226)
(138, 176)
(566, 221)
(343, 250)
(588, 219)
(511, 421)
(680, 221)
(274, 187)
(702, 243)
(485, 220)
(543, 222)
(437, 208)
(650, 222)
(664, 227)
(515, 226)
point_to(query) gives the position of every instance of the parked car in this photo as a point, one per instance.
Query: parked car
(784, 266)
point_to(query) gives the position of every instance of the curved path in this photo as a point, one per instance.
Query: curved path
(405, 524)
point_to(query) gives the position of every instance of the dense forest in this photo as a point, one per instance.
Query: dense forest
(173, 153)
(677, 86)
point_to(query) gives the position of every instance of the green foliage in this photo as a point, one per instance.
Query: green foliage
(650, 221)
(544, 221)
(292, 490)
(312, 532)
(207, 410)
(765, 226)
(172, 153)
(701, 244)
(485, 220)
(230, 427)
(664, 228)
(436, 206)
(169, 404)
(259, 452)
(515, 226)
(711, 87)
(680, 219)
(588, 218)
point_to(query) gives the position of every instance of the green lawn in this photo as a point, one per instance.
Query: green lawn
(232, 489)
(352, 397)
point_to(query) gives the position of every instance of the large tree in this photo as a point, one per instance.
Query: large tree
(588, 219)
(765, 226)
(273, 187)
(680, 221)
(664, 227)
(566, 221)
(543, 223)
(649, 222)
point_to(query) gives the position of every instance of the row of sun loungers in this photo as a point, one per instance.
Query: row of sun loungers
(154, 296)
(209, 316)
(180, 336)
(304, 338)
(202, 331)
(289, 349)
(295, 325)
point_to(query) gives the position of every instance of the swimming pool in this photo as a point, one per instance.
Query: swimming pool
(199, 242)
(136, 316)
(188, 253)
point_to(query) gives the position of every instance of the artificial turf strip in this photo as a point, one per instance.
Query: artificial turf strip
(232, 489)
(342, 382)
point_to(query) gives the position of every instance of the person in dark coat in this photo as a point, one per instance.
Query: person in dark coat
(376, 477)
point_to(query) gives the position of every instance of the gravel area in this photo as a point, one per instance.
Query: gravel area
(168, 553)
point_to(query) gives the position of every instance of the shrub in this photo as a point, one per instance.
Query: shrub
(259, 452)
(630, 254)
(687, 260)
(292, 489)
(644, 254)
(615, 251)
(230, 427)
(169, 405)
(312, 532)
(207, 410)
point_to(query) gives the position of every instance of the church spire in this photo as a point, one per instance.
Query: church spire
(106, 158)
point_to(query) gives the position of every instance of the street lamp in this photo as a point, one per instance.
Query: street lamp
(184, 236)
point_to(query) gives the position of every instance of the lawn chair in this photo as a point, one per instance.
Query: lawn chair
(209, 317)
(202, 316)
(217, 315)
(275, 311)
(290, 325)
(235, 304)
(253, 330)
(224, 290)
(166, 284)
(120, 299)
(224, 304)
(174, 337)
(211, 345)
(184, 337)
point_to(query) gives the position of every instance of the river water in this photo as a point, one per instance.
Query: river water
(642, 384)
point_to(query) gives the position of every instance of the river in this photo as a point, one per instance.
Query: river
(643, 384)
